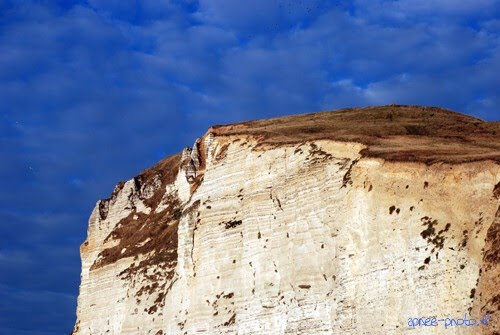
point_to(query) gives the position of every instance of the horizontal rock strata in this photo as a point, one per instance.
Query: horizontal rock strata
(327, 223)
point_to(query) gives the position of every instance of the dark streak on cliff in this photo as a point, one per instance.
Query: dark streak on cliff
(488, 299)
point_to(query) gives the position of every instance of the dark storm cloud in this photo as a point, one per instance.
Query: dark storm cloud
(92, 92)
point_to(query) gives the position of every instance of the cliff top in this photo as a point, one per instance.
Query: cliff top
(393, 132)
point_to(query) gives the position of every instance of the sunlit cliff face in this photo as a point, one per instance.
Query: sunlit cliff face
(328, 223)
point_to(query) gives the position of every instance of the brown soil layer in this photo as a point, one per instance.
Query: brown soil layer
(394, 132)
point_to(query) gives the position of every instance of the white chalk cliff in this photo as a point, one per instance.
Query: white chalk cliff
(346, 222)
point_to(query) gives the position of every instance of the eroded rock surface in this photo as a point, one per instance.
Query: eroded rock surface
(259, 229)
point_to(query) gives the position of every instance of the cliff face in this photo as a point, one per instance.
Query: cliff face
(347, 222)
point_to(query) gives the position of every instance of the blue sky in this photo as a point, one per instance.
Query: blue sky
(92, 92)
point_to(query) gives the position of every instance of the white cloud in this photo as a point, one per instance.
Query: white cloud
(425, 10)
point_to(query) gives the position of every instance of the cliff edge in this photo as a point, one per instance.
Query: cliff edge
(355, 221)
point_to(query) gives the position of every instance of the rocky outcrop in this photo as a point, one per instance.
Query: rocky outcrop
(191, 161)
(347, 222)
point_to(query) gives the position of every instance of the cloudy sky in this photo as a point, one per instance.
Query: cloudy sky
(92, 92)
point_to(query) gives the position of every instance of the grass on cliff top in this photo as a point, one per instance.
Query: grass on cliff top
(394, 132)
